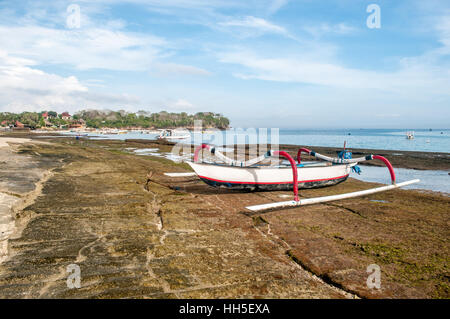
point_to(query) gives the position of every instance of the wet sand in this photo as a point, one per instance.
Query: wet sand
(179, 238)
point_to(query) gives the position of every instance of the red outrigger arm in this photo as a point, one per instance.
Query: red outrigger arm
(299, 153)
(294, 171)
(198, 149)
(348, 161)
(388, 164)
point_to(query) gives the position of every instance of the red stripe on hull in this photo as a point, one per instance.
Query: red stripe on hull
(273, 183)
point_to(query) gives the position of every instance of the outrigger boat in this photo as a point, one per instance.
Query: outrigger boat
(410, 135)
(252, 175)
(172, 135)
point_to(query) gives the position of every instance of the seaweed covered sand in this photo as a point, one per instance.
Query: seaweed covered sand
(180, 238)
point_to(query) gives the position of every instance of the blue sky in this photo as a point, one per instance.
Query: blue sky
(266, 63)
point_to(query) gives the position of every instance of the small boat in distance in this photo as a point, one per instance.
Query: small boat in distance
(410, 135)
(172, 135)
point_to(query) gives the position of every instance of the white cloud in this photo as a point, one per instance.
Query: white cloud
(327, 29)
(443, 28)
(180, 105)
(23, 87)
(179, 69)
(16, 73)
(256, 24)
(424, 74)
(83, 48)
(277, 5)
(97, 44)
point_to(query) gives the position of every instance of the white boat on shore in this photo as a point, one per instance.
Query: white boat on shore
(271, 178)
(253, 175)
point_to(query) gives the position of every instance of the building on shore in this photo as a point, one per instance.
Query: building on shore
(18, 126)
(78, 124)
(66, 116)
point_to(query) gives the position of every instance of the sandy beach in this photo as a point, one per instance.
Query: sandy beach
(88, 203)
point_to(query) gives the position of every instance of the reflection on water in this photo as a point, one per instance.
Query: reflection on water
(431, 180)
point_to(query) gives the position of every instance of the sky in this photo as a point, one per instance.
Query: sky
(262, 63)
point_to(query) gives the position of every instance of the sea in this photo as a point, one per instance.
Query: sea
(436, 140)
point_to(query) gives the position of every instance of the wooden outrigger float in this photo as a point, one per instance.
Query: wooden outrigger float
(252, 175)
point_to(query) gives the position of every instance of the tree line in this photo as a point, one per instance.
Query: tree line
(116, 119)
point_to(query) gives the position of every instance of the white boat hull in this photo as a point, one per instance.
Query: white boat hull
(271, 178)
(180, 137)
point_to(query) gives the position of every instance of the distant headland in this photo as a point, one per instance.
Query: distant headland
(97, 119)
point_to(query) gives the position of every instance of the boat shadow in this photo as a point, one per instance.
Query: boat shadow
(200, 189)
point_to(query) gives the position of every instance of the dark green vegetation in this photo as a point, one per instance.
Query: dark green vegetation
(119, 119)
(30, 119)
(98, 119)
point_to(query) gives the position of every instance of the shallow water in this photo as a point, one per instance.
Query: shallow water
(155, 152)
(431, 180)
(425, 140)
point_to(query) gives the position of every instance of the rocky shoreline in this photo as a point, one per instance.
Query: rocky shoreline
(165, 238)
